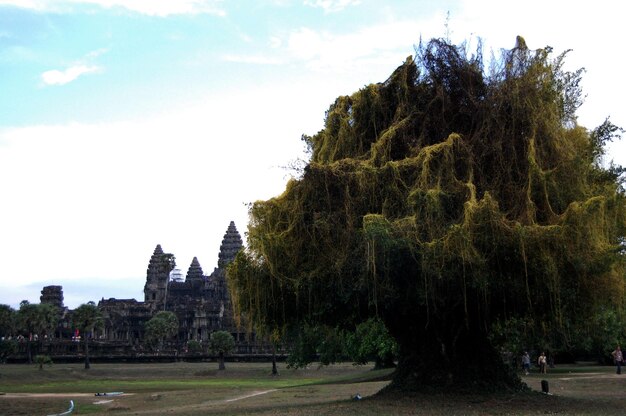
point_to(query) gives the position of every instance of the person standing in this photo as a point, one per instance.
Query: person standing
(618, 357)
(543, 363)
(526, 362)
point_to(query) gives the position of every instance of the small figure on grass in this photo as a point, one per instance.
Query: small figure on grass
(526, 362)
(543, 363)
(618, 358)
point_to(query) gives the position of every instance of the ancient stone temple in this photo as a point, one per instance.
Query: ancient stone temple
(52, 295)
(201, 303)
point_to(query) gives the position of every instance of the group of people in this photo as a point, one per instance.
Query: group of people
(542, 362)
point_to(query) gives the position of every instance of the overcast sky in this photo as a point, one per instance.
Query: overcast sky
(130, 123)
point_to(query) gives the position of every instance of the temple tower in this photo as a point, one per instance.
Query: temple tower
(195, 275)
(52, 295)
(195, 271)
(231, 244)
(158, 275)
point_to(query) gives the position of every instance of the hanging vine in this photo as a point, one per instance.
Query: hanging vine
(444, 199)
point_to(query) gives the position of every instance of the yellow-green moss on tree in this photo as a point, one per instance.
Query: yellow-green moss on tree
(444, 200)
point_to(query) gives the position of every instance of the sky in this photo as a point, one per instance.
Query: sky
(130, 123)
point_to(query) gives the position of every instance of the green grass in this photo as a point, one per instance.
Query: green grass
(149, 385)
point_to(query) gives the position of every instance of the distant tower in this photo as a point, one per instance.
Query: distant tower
(52, 295)
(195, 275)
(158, 275)
(231, 244)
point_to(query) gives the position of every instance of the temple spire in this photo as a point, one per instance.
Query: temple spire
(231, 244)
(195, 273)
(158, 274)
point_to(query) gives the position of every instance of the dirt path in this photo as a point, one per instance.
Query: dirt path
(245, 396)
(28, 395)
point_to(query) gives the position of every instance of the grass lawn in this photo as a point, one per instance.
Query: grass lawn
(249, 389)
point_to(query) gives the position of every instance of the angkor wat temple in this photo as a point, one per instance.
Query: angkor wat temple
(201, 303)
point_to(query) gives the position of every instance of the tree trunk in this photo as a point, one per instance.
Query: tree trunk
(221, 360)
(446, 356)
(274, 369)
(384, 362)
(29, 352)
(87, 365)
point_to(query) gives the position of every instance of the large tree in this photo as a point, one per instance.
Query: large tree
(222, 343)
(35, 320)
(161, 326)
(445, 200)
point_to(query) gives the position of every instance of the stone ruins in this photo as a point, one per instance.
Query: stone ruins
(201, 303)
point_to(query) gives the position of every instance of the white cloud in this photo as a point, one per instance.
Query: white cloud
(149, 7)
(93, 200)
(275, 42)
(556, 24)
(56, 77)
(252, 59)
(96, 53)
(389, 42)
(26, 4)
(331, 6)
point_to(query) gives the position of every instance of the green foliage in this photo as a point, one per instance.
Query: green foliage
(371, 342)
(222, 342)
(315, 342)
(7, 320)
(602, 332)
(7, 348)
(40, 360)
(517, 334)
(87, 318)
(446, 201)
(194, 346)
(161, 326)
(37, 319)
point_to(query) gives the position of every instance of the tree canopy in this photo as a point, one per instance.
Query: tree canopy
(444, 201)
(7, 320)
(37, 319)
(87, 318)
(222, 342)
(161, 326)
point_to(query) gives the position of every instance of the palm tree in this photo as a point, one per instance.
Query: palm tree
(87, 318)
(7, 320)
(35, 320)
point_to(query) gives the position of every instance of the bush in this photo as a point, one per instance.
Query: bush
(43, 359)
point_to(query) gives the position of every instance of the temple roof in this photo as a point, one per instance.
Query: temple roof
(195, 271)
(231, 244)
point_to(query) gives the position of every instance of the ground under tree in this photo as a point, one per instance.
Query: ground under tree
(445, 200)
